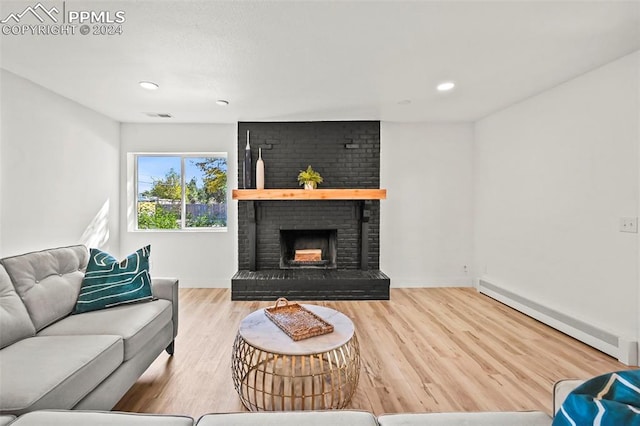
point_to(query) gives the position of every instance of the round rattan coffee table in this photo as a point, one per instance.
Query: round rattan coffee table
(271, 372)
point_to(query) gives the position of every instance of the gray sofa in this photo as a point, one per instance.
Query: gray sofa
(51, 359)
(309, 418)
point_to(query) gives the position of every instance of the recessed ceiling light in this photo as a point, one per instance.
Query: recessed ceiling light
(222, 102)
(446, 86)
(149, 85)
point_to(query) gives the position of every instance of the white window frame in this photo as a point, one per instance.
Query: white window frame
(132, 190)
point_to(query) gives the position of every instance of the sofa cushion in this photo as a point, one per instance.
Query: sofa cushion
(48, 281)
(136, 324)
(307, 418)
(55, 371)
(109, 282)
(506, 418)
(101, 418)
(15, 323)
(6, 419)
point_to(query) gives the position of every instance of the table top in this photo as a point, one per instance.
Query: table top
(260, 332)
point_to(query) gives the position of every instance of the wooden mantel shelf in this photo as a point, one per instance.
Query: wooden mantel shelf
(309, 194)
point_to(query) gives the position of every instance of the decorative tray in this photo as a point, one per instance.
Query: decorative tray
(297, 321)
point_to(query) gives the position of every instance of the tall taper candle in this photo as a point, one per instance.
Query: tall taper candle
(247, 164)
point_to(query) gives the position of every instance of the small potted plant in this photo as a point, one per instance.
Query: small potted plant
(309, 178)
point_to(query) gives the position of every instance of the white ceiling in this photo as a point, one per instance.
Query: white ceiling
(322, 60)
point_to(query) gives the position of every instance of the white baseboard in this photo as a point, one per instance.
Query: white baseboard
(431, 282)
(624, 349)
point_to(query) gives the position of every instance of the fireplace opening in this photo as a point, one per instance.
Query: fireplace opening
(308, 248)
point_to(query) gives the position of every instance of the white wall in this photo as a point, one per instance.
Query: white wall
(198, 259)
(59, 171)
(426, 220)
(1, 138)
(553, 175)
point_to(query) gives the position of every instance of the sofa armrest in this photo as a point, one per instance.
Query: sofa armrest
(561, 389)
(167, 288)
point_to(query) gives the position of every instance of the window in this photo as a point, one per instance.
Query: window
(181, 191)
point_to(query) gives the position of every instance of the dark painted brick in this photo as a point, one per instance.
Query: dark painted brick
(294, 146)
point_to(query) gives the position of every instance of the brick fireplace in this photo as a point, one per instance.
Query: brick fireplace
(345, 231)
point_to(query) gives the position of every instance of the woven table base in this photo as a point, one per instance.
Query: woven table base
(273, 382)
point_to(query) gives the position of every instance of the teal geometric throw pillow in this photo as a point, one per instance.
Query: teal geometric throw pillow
(109, 282)
(612, 399)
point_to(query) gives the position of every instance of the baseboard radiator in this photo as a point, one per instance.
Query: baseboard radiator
(624, 349)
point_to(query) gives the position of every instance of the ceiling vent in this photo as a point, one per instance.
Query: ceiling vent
(159, 114)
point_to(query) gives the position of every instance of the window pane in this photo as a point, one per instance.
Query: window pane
(206, 192)
(159, 192)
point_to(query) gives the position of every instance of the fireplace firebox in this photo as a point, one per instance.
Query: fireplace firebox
(308, 248)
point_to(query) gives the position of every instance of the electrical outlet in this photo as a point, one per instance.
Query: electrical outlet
(629, 224)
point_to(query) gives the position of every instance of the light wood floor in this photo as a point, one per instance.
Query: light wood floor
(432, 349)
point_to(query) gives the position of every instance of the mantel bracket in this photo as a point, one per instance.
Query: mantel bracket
(364, 234)
(253, 241)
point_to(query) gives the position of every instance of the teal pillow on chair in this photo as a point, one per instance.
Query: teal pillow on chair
(109, 282)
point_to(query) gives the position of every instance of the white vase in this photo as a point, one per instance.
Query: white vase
(259, 171)
(309, 185)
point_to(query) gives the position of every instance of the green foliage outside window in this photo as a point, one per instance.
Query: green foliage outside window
(154, 216)
(215, 178)
(204, 221)
(169, 188)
